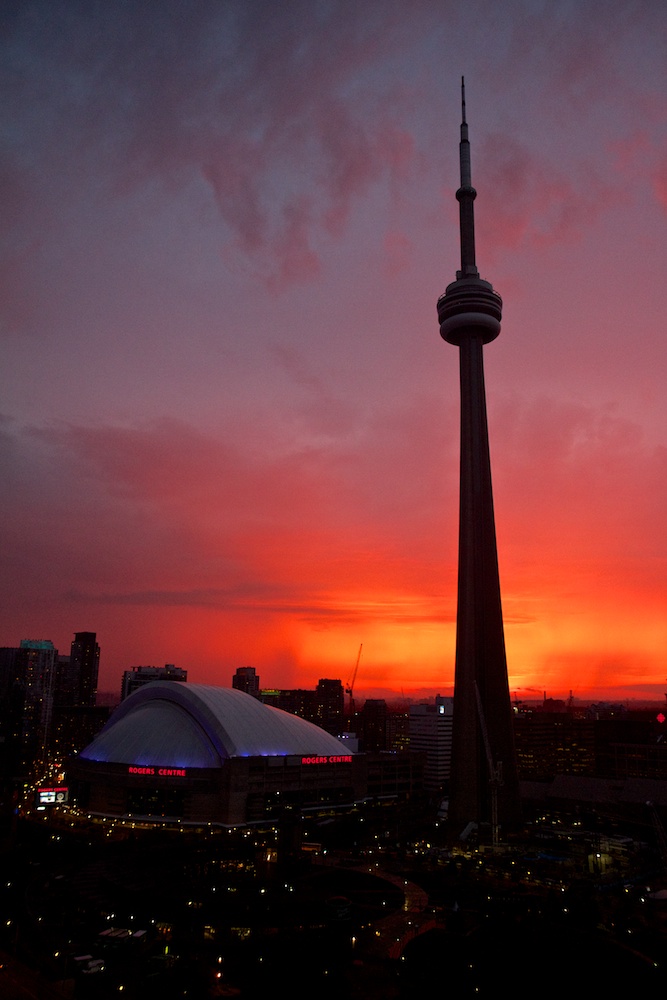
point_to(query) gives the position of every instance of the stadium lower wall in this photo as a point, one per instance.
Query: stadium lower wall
(244, 790)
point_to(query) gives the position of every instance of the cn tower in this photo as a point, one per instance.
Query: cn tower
(484, 788)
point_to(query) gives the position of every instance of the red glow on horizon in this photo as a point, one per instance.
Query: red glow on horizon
(229, 428)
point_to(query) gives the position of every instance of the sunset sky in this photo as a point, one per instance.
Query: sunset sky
(229, 425)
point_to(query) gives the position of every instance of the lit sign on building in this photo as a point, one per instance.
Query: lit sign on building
(344, 759)
(162, 772)
(52, 796)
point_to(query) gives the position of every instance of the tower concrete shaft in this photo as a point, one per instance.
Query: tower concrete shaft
(484, 786)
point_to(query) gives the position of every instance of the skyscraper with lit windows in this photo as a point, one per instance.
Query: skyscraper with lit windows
(85, 667)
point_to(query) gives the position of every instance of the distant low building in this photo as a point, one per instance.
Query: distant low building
(551, 743)
(323, 705)
(136, 677)
(246, 679)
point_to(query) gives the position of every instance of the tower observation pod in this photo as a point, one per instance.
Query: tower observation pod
(484, 787)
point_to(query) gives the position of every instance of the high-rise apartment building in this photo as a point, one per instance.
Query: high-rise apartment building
(36, 664)
(431, 733)
(84, 668)
(40, 691)
(330, 706)
(373, 725)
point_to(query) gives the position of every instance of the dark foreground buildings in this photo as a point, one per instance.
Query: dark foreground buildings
(484, 782)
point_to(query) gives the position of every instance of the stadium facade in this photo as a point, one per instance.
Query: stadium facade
(210, 755)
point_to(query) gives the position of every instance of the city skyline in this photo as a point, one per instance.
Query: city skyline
(397, 696)
(224, 440)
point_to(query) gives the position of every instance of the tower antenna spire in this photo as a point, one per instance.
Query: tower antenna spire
(466, 195)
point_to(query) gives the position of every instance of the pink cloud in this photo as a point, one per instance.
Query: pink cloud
(660, 182)
(164, 507)
(531, 203)
(399, 251)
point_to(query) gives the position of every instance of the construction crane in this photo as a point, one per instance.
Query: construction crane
(349, 688)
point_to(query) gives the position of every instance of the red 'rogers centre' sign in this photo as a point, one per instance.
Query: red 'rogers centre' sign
(346, 759)
(163, 772)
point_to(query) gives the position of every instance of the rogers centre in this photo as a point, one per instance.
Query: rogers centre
(200, 754)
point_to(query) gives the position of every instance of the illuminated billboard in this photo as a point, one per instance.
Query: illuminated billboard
(52, 796)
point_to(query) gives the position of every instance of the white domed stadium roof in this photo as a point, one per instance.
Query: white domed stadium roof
(179, 724)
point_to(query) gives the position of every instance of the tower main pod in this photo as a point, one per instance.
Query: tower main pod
(484, 785)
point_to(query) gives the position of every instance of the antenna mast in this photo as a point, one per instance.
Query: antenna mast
(465, 196)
